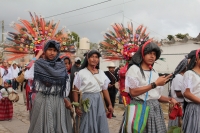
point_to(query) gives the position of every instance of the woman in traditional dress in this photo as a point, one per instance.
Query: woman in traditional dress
(191, 93)
(90, 81)
(68, 65)
(5, 71)
(177, 86)
(48, 111)
(137, 84)
(6, 106)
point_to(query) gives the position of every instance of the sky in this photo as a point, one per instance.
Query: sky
(161, 17)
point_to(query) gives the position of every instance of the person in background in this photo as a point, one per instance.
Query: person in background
(177, 86)
(6, 106)
(68, 65)
(75, 68)
(19, 66)
(15, 71)
(118, 78)
(9, 64)
(22, 85)
(111, 86)
(68, 94)
(191, 93)
(5, 71)
(117, 70)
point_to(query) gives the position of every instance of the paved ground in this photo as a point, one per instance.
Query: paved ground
(20, 122)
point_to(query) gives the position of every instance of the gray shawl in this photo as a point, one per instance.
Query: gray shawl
(51, 73)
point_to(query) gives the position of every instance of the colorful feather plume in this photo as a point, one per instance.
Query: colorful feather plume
(30, 35)
(123, 42)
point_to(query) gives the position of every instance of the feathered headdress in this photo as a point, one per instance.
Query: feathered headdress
(123, 42)
(30, 35)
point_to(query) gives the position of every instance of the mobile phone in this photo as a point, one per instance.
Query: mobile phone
(164, 74)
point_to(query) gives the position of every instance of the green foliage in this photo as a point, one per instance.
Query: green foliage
(169, 37)
(75, 104)
(93, 46)
(179, 35)
(175, 129)
(85, 104)
(73, 38)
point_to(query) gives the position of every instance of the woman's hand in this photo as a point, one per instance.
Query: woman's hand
(162, 80)
(110, 109)
(173, 101)
(78, 111)
(68, 104)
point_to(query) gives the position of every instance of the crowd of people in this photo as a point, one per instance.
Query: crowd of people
(53, 85)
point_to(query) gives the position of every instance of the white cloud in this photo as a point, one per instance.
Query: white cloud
(161, 17)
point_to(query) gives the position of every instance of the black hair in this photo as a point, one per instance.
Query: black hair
(51, 45)
(78, 62)
(70, 62)
(88, 55)
(192, 57)
(137, 57)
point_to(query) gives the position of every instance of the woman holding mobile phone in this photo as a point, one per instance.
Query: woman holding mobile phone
(139, 73)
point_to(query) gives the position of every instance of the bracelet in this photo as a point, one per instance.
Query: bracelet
(34, 58)
(153, 85)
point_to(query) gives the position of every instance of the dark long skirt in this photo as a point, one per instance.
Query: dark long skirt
(94, 121)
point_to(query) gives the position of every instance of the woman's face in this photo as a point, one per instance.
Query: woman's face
(67, 64)
(93, 60)
(150, 58)
(6, 85)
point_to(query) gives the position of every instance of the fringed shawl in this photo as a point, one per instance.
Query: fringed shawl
(50, 75)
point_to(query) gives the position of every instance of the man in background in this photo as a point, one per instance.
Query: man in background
(111, 86)
(75, 68)
(15, 71)
(118, 78)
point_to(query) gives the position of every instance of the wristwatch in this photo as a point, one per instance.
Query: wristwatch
(153, 85)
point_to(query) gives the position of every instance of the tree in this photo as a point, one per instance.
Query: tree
(169, 37)
(73, 38)
(93, 45)
(181, 36)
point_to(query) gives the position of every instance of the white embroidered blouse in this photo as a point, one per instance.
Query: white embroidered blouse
(191, 80)
(7, 76)
(85, 81)
(134, 79)
(177, 85)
